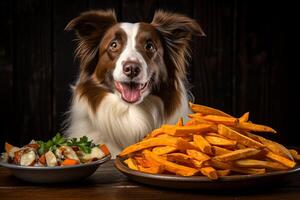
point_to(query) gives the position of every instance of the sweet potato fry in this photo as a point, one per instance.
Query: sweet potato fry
(218, 164)
(223, 172)
(203, 145)
(198, 155)
(131, 163)
(143, 162)
(170, 166)
(252, 163)
(240, 138)
(276, 148)
(195, 115)
(184, 145)
(237, 154)
(163, 150)
(199, 120)
(252, 171)
(231, 121)
(240, 146)
(179, 157)
(255, 127)
(283, 160)
(213, 140)
(191, 122)
(215, 134)
(207, 110)
(179, 122)
(219, 150)
(197, 163)
(244, 117)
(152, 170)
(152, 142)
(186, 130)
(155, 133)
(210, 172)
(295, 154)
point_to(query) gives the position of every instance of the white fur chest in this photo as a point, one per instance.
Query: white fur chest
(115, 123)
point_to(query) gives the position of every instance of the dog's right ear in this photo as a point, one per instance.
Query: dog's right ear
(90, 27)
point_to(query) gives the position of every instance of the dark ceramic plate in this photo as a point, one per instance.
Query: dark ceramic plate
(54, 174)
(201, 182)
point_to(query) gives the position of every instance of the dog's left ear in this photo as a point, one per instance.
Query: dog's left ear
(176, 31)
(90, 27)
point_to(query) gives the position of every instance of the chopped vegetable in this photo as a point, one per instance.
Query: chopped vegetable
(58, 151)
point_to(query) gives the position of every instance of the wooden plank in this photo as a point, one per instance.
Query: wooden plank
(65, 68)
(136, 11)
(212, 75)
(107, 4)
(6, 73)
(32, 70)
(262, 67)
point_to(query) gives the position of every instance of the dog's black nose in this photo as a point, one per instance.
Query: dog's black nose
(131, 69)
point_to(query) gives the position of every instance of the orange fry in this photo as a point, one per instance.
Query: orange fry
(276, 148)
(250, 163)
(221, 119)
(223, 172)
(219, 150)
(179, 157)
(203, 145)
(186, 130)
(210, 172)
(295, 154)
(252, 171)
(198, 155)
(244, 117)
(283, 160)
(131, 163)
(213, 140)
(170, 166)
(207, 110)
(152, 170)
(237, 154)
(163, 150)
(152, 142)
(234, 135)
(255, 127)
(179, 122)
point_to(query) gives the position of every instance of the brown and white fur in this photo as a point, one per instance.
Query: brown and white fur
(132, 76)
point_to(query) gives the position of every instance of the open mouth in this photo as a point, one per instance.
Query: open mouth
(131, 92)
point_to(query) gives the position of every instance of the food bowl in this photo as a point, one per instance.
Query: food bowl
(56, 174)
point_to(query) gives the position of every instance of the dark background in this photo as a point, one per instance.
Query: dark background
(244, 63)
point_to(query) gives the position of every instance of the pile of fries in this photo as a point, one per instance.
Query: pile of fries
(212, 143)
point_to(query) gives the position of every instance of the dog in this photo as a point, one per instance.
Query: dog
(132, 76)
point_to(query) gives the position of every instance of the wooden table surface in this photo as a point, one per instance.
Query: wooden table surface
(108, 183)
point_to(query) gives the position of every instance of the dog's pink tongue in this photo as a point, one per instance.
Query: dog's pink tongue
(130, 94)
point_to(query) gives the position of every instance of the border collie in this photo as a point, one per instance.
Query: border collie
(132, 76)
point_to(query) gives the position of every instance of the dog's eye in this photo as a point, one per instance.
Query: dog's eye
(114, 45)
(149, 46)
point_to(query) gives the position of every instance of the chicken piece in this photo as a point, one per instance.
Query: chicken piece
(50, 159)
(28, 157)
(12, 151)
(69, 153)
(59, 154)
(96, 153)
